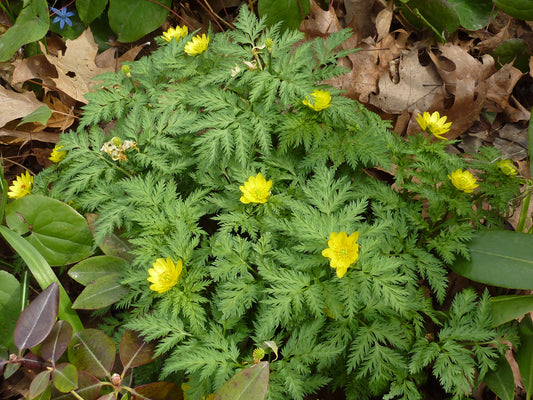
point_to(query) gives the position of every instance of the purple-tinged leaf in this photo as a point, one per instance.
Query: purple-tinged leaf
(93, 351)
(65, 377)
(37, 320)
(109, 396)
(39, 384)
(134, 351)
(57, 341)
(248, 384)
(159, 391)
(32, 362)
(101, 293)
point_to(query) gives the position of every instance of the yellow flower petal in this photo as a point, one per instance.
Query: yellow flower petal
(463, 180)
(164, 275)
(175, 33)
(57, 154)
(318, 100)
(342, 251)
(197, 45)
(507, 167)
(434, 124)
(21, 186)
(255, 190)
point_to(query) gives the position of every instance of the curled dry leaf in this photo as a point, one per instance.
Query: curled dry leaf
(500, 87)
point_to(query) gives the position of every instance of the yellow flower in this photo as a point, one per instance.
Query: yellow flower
(21, 186)
(176, 33)
(197, 45)
(164, 274)
(463, 180)
(507, 167)
(342, 251)
(320, 99)
(57, 154)
(255, 190)
(434, 124)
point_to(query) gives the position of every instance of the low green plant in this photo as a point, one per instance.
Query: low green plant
(251, 197)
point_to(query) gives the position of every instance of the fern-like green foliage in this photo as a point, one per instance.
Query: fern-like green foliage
(255, 272)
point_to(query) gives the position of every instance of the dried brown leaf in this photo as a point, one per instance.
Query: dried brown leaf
(33, 67)
(77, 67)
(16, 105)
(62, 116)
(417, 88)
(11, 137)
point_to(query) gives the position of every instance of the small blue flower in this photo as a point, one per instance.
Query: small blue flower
(62, 16)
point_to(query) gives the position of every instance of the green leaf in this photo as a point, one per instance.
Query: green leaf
(101, 293)
(41, 115)
(438, 15)
(38, 319)
(54, 228)
(57, 341)
(507, 308)
(501, 380)
(248, 384)
(524, 354)
(521, 9)
(159, 391)
(4, 188)
(89, 10)
(132, 19)
(289, 12)
(65, 377)
(39, 384)
(93, 351)
(92, 268)
(111, 245)
(530, 142)
(473, 15)
(30, 26)
(42, 273)
(10, 292)
(499, 258)
(512, 50)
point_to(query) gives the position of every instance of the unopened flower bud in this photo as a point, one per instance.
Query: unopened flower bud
(116, 379)
(258, 354)
(269, 44)
(126, 70)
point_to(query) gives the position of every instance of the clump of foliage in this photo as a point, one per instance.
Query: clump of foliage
(232, 170)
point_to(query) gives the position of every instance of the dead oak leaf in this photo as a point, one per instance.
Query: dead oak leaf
(77, 68)
(16, 105)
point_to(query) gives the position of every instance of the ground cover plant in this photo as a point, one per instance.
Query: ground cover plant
(250, 195)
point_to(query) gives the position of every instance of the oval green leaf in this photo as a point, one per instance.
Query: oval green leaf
(473, 14)
(512, 50)
(521, 9)
(159, 391)
(90, 269)
(524, 354)
(57, 341)
(89, 388)
(41, 115)
(501, 380)
(55, 229)
(31, 25)
(93, 351)
(507, 308)
(10, 300)
(248, 384)
(39, 384)
(289, 12)
(101, 293)
(38, 319)
(132, 19)
(499, 258)
(65, 377)
(89, 10)
(134, 351)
